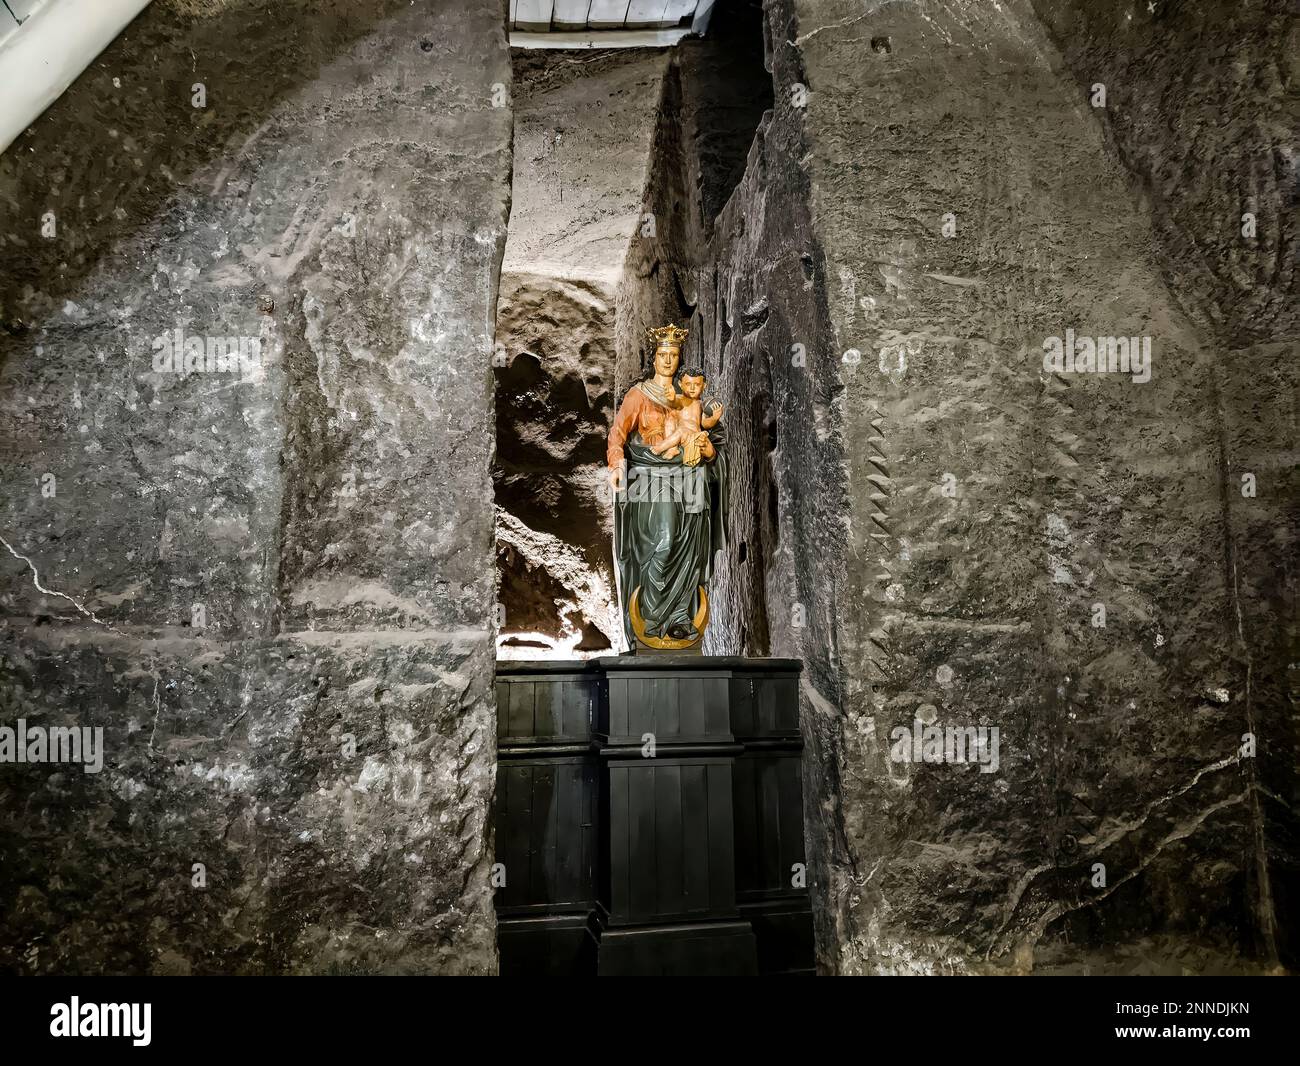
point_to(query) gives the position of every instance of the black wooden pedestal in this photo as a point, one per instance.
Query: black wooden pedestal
(649, 817)
(546, 816)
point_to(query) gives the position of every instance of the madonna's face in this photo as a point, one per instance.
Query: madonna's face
(666, 360)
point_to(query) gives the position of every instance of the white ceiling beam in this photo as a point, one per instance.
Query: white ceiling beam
(40, 59)
(607, 14)
(599, 39)
(676, 10)
(534, 15)
(644, 14)
(570, 14)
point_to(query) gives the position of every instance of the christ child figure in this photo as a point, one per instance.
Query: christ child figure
(685, 430)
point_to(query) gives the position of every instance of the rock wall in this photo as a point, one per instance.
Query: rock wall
(269, 582)
(997, 510)
(1221, 183)
(948, 533)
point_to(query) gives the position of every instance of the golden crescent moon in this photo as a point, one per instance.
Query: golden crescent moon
(700, 620)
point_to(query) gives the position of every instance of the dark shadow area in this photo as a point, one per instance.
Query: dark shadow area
(732, 91)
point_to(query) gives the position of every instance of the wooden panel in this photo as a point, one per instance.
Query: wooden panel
(770, 819)
(769, 822)
(717, 706)
(544, 708)
(670, 834)
(521, 709)
(690, 706)
(670, 899)
(575, 712)
(721, 855)
(743, 722)
(680, 837)
(787, 704)
(542, 835)
(640, 840)
(660, 703)
(765, 706)
(749, 848)
(618, 707)
(792, 845)
(695, 840)
(545, 832)
(671, 707)
(544, 700)
(620, 836)
(513, 844)
(580, 868)
(607, 14)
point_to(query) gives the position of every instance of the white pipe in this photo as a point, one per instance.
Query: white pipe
(41, 58)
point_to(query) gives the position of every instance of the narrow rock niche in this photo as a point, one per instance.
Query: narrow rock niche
(583, 122)
(584, 262)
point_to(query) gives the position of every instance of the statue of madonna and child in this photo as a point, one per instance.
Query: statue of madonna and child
(668, 468)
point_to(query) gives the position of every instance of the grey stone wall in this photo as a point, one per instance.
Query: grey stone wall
(1202, 108)
(939, 527)
(994, 507)
(272, 588)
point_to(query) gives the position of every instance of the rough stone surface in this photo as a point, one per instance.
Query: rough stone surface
(1201, 106)
(583, 122)
(553, 412)
(1119, 744)
(317, 731)
(1221, 181)
(930, 520)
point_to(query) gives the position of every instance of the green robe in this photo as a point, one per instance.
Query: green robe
(669, 522)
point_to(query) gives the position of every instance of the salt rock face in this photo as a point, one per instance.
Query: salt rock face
(273, 590)
(991, 505)
(553, 407)
(1205, 120)
(930, 521)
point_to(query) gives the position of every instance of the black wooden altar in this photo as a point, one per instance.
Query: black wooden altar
(618, 861)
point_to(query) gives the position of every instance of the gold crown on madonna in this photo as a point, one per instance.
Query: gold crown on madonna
(667, 336)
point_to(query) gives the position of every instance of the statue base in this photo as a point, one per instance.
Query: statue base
(695, 652)
(660, 795)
